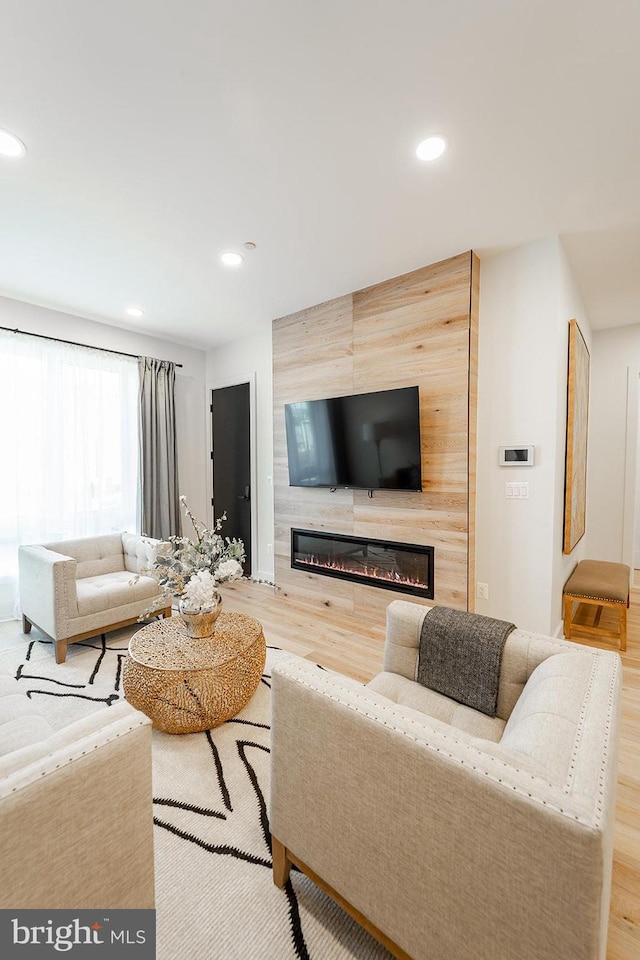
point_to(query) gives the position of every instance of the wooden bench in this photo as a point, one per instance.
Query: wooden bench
(600, 584)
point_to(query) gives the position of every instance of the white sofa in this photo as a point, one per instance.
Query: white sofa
(446, 832)
(76, 589)
(76, 813)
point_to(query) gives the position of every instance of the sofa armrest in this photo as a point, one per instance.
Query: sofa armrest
(373, 801)
(76, 817)
(48, 594)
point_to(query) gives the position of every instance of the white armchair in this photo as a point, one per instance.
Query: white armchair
(76, 810)
(447, 832)
(76, 589)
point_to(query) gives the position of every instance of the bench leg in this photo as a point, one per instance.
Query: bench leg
(621, 609)
(623, 628)
(568, 609)
(26, 624)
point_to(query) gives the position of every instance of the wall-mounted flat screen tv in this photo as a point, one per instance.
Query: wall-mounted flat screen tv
(369, 441)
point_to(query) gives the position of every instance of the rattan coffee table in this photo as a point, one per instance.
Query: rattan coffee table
(186, 685)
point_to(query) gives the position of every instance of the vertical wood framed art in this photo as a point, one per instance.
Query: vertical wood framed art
(575, 480)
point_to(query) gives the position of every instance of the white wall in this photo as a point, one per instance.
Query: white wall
(527, 297)
(239, 362)
(570, 305)
(631, 541)
(614, 353)
(190, 380)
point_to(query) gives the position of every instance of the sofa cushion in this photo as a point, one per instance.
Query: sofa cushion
(94, 555)
(545, 722)
(110, 590)
(522, 652)
(599, 580)
(407, 693)
(21, 723)
(139, 552)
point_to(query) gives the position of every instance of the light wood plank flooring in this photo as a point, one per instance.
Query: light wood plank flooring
(340, 642)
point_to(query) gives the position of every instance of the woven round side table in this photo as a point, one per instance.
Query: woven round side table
(185, 684)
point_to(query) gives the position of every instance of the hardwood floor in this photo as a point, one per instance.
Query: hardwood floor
(340, 642)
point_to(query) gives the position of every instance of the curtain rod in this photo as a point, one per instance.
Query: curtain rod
(74, 343)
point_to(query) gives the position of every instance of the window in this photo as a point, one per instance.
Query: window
(69, 420)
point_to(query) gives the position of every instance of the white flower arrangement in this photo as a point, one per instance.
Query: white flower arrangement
(200, 591)
(229, 570)
(191, 571)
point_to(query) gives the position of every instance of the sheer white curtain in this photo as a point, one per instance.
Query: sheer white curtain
(69, 420)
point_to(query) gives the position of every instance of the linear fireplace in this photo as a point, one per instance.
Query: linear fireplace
(405, 567)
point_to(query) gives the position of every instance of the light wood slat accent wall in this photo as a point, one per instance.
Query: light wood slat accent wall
(474, 311)
(420, 328)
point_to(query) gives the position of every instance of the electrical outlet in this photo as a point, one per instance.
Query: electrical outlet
(482, 591)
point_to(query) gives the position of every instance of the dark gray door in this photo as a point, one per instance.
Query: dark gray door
(231, 454)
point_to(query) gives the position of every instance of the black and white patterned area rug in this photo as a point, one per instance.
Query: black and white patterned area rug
(215, 896)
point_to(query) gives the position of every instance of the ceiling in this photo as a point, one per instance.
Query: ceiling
(161, 134)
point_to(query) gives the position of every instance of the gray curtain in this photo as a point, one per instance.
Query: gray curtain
(158, 460)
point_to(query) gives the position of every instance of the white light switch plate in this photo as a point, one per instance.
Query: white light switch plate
(516, 491)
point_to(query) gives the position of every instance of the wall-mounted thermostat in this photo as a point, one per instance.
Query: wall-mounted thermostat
(518, 455)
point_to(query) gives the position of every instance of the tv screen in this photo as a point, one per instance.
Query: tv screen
(369, 440)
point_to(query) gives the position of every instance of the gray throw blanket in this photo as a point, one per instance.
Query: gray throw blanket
(460, 656)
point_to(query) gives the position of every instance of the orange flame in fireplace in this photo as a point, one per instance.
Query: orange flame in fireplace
(364, 571)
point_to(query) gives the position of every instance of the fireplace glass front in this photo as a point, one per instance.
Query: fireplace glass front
(404, 567)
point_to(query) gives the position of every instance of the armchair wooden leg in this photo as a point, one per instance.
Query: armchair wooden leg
(61, 650)
(26, 624)
(281, 863)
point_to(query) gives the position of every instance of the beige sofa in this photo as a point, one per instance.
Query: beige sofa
(76, 589)
(76, 814)
(449, 833)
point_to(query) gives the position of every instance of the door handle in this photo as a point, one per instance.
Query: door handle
(246, 495)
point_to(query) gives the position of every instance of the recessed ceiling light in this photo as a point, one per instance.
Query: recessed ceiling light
(231, 259)
(11, 146)
(134, 312)
(431, 148)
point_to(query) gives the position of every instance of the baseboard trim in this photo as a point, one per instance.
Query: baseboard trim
(265, 575)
